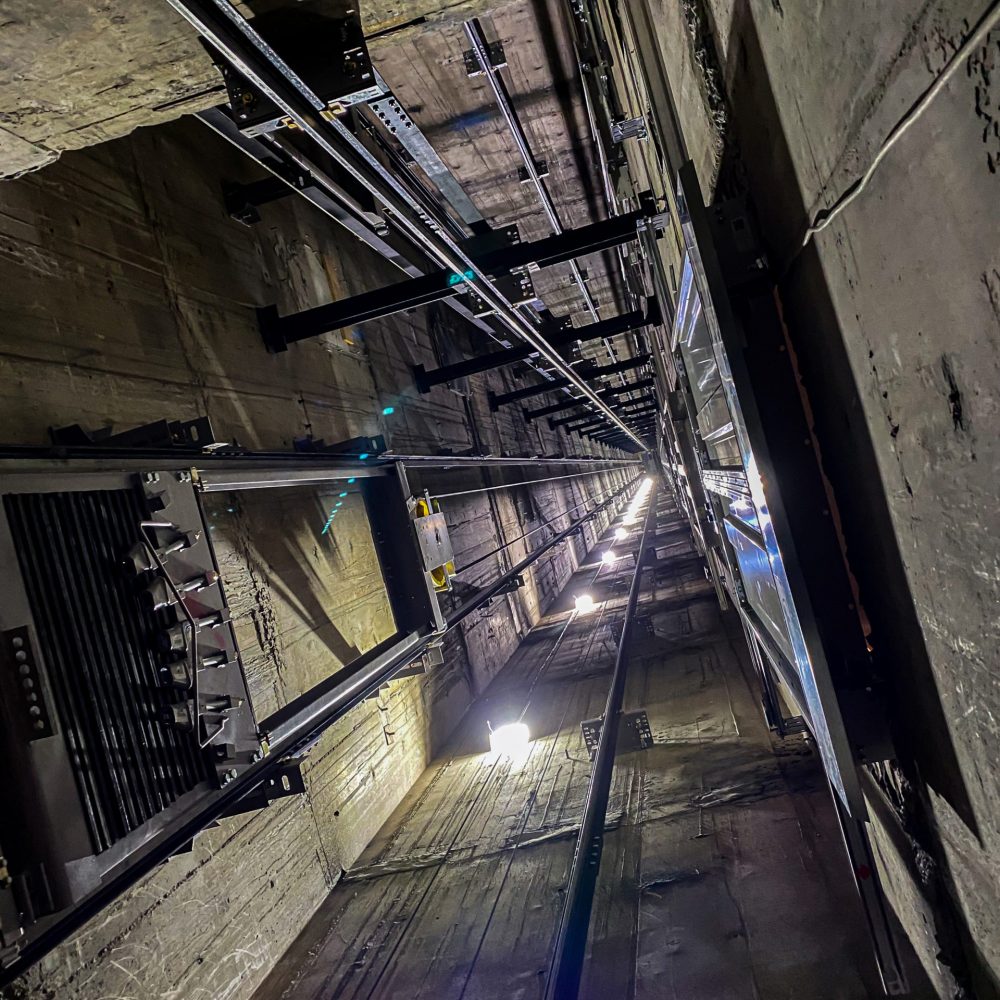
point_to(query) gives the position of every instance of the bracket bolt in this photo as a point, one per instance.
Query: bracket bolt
(150, 477)
(183, 477)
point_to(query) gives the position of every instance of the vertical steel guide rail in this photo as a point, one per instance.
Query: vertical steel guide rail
(574, 923)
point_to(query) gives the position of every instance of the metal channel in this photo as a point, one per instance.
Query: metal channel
(233, 37)
(480, 47)
(571, 941)
(399, 123)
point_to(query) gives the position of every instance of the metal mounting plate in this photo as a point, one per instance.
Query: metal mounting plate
(633, 733)
(432, 537)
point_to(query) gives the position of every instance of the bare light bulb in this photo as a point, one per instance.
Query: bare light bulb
(621, 534)
(584, 603)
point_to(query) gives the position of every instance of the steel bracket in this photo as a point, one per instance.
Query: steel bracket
(196, 433)
(628, 128)
(633, 733)
(286, 781)
(541, 168)
(498, 59)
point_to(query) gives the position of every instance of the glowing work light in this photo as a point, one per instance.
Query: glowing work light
(584, 603)
(511, 740)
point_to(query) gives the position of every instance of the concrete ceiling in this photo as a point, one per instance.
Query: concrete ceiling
(77, 74)
(83, 72)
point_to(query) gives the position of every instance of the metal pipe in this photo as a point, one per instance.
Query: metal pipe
(297, 726)
(571, 940)
(480, 47)
(231, 35)
(448, 461)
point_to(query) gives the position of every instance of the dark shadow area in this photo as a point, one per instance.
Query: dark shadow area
(757, 160)
(275, 541)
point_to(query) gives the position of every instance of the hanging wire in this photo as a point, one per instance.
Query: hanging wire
(827, 215)
(545, 662)
(586, 656)
(526, 482)
(543, 524)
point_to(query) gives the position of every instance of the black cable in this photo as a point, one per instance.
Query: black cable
(544, 524)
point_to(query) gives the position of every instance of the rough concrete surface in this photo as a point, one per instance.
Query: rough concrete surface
(894, 313)
(78, 73)
(128, 295)
(715, 833)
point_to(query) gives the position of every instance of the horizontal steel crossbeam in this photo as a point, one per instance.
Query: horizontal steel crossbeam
(589, 373)
(280, 331)
(603, 395)
(559, 339)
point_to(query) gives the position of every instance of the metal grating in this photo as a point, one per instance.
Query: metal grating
(96, 639)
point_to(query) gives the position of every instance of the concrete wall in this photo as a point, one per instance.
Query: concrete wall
(722, 872)
(128, 295)
(894, 313)
(79, 73)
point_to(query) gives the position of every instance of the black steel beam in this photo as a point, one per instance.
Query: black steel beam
(581, 423)
(576, 421)
(586, 422)
(597, 435)
(280, 331)
(228, 32)
(640, 415)
(560, 339)
(589, 373)
(572, 422)
(604, 394)
(243, 200)
(649, 400)
(640, 419)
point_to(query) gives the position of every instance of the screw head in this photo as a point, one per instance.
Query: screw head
(150, 477)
